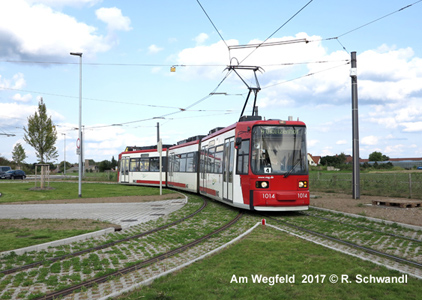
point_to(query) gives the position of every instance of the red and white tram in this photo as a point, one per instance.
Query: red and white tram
(141, 165)
(253, 164)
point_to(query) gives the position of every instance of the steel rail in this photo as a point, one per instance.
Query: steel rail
(366, 249)
(136, 266)
(364, 227)
(107, 245)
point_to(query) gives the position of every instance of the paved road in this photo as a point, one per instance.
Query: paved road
(124, 214)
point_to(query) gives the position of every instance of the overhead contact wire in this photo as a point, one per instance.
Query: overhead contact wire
(291, 18)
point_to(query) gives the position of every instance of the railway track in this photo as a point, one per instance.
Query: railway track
(103, 246)
(355, 236)
(364, 227)
(145, 253)
(138, 265)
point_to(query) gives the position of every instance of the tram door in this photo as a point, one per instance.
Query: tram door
(228, 166)
(124, 170)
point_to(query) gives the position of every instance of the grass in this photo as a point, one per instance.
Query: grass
(267, 252)
(20, 191)
(16, 234)
(390, 184)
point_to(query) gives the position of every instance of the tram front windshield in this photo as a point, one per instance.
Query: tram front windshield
(279, 150)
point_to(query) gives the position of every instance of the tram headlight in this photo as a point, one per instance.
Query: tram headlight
(262, 184)
(303, 184)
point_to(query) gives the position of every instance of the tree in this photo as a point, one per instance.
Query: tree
(41, 134)
(18, 154)
(104, 165)
(335, 161)
(113, 163)
(378, 156)
(61, 166)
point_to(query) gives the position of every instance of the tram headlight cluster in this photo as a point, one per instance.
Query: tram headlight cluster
(262, 184)
(303, 184)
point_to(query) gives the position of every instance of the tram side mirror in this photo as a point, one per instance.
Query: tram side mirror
(238, 141)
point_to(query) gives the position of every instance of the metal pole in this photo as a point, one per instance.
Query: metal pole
(80, 122)
(64, 164)
(160, 151)
(158, 132)
(355, 131)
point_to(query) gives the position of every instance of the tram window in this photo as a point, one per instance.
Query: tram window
(183, 163)
(134, 165)
(202, 163)
(219, 162)
(190, 162)
(176, 163)
(243, 158)
(211, 160)
(144, 164)
(154, 164)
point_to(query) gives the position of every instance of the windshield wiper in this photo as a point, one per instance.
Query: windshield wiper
(291, 170)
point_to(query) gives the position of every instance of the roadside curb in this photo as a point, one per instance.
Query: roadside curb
(61, 242)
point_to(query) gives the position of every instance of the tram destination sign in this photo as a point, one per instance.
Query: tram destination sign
(269, 131)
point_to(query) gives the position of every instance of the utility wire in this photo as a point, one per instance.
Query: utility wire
(307, 75)
(364, 25)
(102, 100)
(214, 26)
(203, 9)
(180, 110)
(271, 35)
(387, 15)
(106, 64)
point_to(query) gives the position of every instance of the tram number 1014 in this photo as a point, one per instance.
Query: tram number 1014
(268, 196)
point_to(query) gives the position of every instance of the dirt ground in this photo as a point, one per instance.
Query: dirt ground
(364, 207)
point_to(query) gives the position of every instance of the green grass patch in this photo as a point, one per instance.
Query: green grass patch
(21, 233)
(267, 252)
(389, 184)
(20, 191)
(13, 237)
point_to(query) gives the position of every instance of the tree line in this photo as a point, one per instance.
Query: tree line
(340, 161)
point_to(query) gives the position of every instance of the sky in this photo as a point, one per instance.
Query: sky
(130, 46)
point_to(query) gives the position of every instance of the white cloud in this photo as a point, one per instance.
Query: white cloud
(153, 49)
(16, 114)
(395, 150)
(113, 18)
(370, 140)
(37, 31)
(312, 143)
(341, 142)
(22, 98)
(201, 38)
(327, 151)
(16, 82)
(62, 3)
(412, 126)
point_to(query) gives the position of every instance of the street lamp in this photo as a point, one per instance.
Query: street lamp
(80, 120)
(64, 152)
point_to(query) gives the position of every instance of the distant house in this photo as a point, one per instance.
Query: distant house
(314, 160)
(89, 167)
